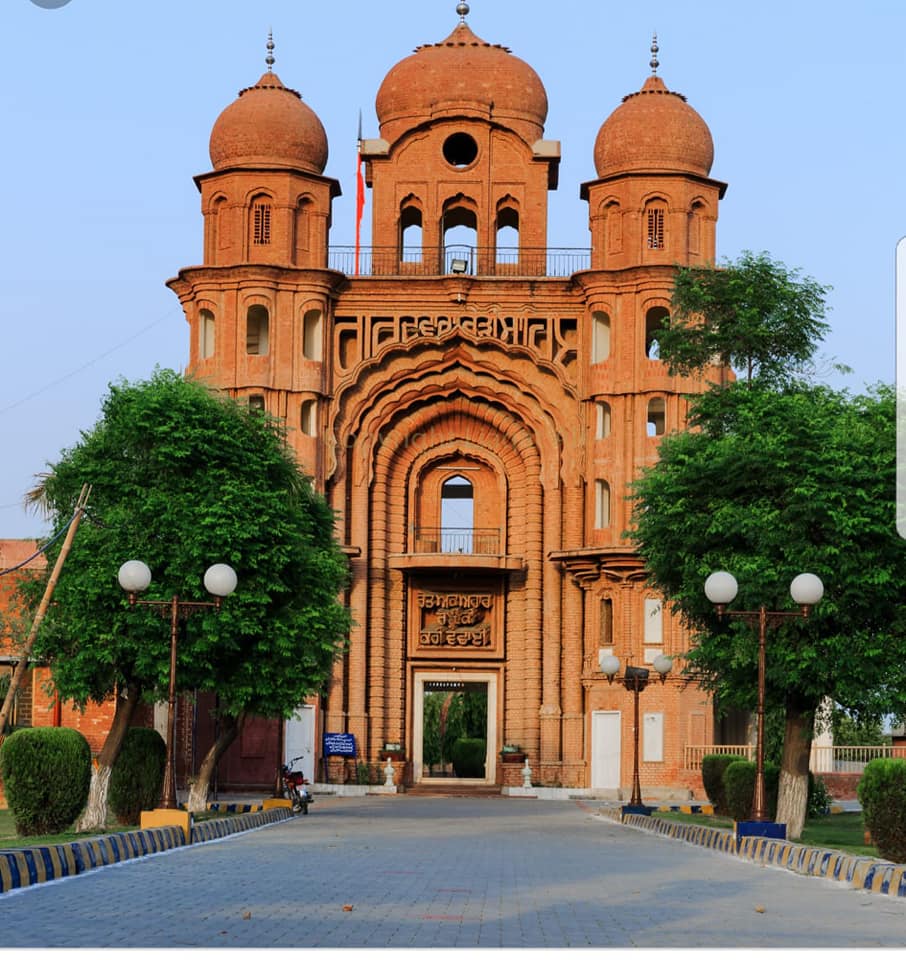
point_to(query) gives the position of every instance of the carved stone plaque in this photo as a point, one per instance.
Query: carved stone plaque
(450, 622)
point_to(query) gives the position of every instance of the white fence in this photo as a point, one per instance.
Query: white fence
(823, 759)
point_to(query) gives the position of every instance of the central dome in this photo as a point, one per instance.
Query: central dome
(462, 73)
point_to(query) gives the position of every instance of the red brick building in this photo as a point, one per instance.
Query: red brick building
(472, 402)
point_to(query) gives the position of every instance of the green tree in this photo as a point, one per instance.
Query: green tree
(767, 484)
(754, 315)
(181, 478)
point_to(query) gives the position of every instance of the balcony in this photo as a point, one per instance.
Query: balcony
(460, 260)
(456, 548)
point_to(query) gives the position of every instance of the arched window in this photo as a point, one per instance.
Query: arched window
(457, 515)
(600, 349)
(602, 504)
(507, 245)
(205, 334)
(655, 319)
(460, 237)
(613, 228)
(219, 231)
(656, 225)
(302, 229)
(311, 335)
(256, 330)
(695, 227)
(308, 418)
(602, 420)
(261, 221)
(656, 416)
(411, 234)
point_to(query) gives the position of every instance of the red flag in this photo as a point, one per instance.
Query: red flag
(359, 197)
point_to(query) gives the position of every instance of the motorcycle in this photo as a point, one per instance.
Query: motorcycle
(295, 787)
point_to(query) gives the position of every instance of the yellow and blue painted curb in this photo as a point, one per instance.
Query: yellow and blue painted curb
(29, 866)
(860, 873)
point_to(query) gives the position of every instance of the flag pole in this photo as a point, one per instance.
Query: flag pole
(359, 196)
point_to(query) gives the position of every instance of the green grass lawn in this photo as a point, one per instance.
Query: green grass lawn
(837, 831)
(9, 839)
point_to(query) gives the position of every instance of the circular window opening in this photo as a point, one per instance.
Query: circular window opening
(460, 150)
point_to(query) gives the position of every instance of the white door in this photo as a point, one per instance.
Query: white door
(299, 741)
(605, 749)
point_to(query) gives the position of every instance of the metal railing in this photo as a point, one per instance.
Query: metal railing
(475, 540)
(822, 760)
(460, 259)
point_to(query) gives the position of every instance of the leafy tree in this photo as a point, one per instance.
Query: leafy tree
(768, 484)
(183, 478)
(755, 315)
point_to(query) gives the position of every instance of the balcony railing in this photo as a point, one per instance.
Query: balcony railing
(474, 540)
(460, 259)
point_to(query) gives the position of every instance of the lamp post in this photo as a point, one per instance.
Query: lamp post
(220, 581)
(806, 590)
(635, 679)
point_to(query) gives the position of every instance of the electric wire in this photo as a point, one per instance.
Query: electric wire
(42, 549)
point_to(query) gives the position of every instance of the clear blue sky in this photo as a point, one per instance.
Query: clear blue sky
(107, 106)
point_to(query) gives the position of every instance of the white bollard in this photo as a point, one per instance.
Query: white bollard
(526, 775)
(388, 774)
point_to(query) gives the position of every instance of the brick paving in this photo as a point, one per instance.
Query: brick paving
(440, 872)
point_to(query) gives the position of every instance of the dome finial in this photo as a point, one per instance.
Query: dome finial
(654, 63)
(269, 59)
(463, 10)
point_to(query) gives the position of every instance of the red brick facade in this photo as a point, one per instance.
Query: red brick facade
(538, 384)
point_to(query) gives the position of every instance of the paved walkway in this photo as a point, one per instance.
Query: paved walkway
(429, 872)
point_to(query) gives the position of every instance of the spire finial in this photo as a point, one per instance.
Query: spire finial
(269, 59)
(463, 10)
(654, 64)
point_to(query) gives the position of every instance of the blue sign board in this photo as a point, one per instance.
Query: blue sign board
(339, 744)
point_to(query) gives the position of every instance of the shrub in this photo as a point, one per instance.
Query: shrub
(468, 755)
(818, 797)
(138, 774)
(882, 793)
(46, 773)
(739, 787)
(713, 766)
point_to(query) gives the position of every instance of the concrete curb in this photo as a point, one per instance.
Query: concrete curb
(28, 866)
(861, 873)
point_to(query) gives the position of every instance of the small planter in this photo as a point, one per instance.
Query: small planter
(397, 756)
(511, 756)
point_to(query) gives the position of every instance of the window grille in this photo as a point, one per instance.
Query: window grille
(262, 224)
(656, 228)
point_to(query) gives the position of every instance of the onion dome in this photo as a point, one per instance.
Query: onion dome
(654, 130)
(269, 125)
(463, 74)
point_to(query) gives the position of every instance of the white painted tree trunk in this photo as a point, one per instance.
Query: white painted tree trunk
(792, 795)
(201, 786)
(94, 816)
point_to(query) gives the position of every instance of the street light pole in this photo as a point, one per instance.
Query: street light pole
(806, 590)
(635, 680)
(220, 581)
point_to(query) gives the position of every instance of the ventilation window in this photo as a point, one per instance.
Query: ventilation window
(606, 636)
(656, 417)
(656, 239)
(261, 223)
(256, 402)
(602, 418)
(308, 420)
(602, 504)
(601, 338)
(256, 332)
(206, 334)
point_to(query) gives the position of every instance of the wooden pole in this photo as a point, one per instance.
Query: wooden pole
(22, 665)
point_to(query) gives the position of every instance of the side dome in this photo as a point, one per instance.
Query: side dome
(269, 125)
(654, 129)
(460, 73)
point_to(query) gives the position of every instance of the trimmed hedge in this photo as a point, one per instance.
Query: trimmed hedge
(713, 766)
(138, 774)
(739, 786)
(46, 774)
(468, 755)
(882, 793)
